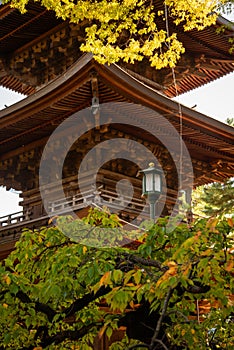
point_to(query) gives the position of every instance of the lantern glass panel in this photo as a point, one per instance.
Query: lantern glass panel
(149, 182)
(157, 183)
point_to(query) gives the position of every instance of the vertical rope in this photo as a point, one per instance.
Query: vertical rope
(178, 103)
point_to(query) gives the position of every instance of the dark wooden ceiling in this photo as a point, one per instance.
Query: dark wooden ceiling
(37, 47)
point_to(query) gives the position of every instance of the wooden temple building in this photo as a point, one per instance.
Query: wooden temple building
(40, 57)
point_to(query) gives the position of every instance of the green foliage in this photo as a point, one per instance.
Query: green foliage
(57, 293)
(215, 199)
(227, 7)
(128, 30)
(230, 121)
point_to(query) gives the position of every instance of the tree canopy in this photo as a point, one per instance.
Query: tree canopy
(130, 30)
(167, 290)
(216, 199)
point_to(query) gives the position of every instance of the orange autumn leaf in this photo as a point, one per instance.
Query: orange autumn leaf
(172, 271)
(105, 279)
(197, 235)
(230, 265)
(102, 331)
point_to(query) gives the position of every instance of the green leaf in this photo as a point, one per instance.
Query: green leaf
(137, 276)
(109, 332)
(117, 276)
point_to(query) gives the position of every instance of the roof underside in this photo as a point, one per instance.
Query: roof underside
(31, 45)
(31, 121)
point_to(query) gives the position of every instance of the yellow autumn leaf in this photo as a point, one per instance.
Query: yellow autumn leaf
(84, 249)
(207, 252)
(171, 264)
(212, 223)
(7, 279)
(138, 18)
(5, 305)
(169, 273)
(51, 220)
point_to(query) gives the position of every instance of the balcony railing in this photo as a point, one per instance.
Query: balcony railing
(102, 197)
(15, 218)
(75, 202)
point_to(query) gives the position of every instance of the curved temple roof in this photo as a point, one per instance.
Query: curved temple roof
(29, 123)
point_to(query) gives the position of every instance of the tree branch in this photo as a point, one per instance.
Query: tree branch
(163, 246)
(61, 336)
(178, 313)
(71, 335)
(76, 306)
(146, 262)
(195, 289)
(161, 343)
(37, 258)
(44, 308)
(79, 304)
(159, 323)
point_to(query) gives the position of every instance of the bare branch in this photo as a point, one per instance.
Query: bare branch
(161, 343)
(146, 262)
(159, 323)
(178, 313)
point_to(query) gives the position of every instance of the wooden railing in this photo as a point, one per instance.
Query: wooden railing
(122, 201)
(76, 202)
(15, 218)
(85, 199)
